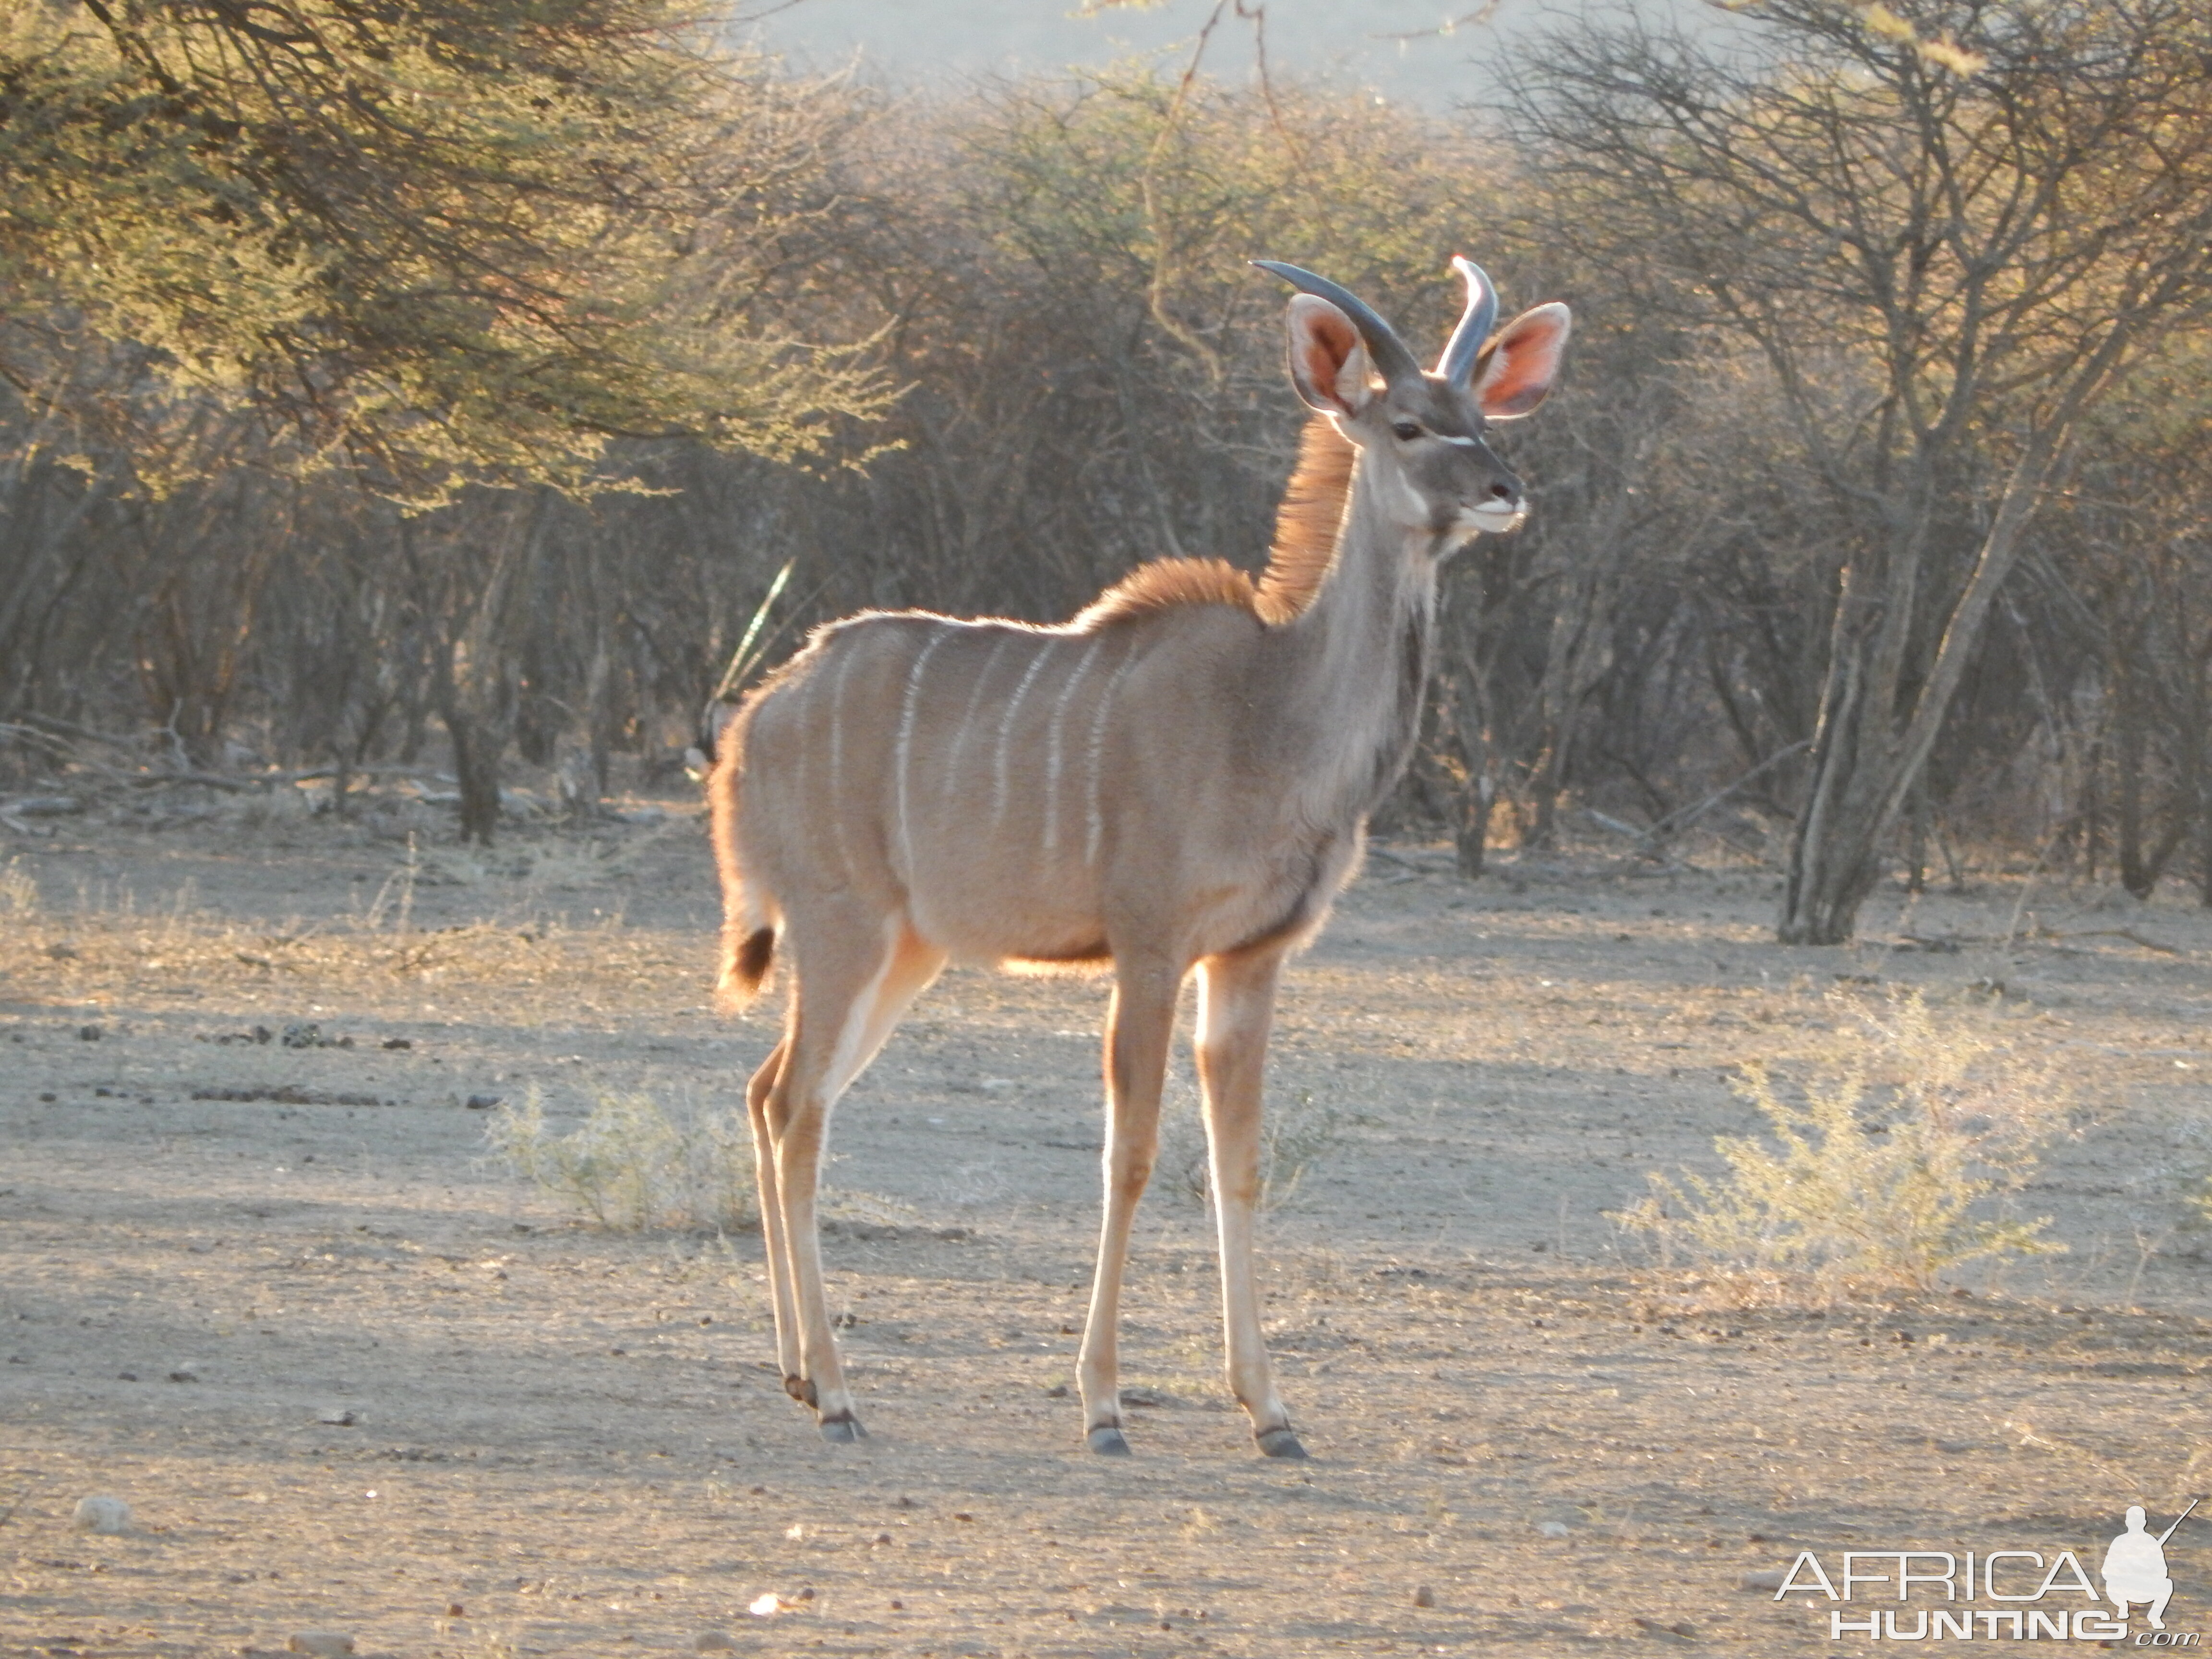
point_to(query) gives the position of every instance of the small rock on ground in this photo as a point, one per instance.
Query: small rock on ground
(111, 1515)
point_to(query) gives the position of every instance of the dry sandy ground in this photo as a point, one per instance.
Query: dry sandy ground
(552, 1439)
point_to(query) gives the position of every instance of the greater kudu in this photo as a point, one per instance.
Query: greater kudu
(1178, 778)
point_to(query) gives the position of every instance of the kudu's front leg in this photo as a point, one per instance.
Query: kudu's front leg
(1235, 1007)
(1138, 1028)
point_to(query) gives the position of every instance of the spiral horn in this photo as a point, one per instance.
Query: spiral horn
(1456, 365)
(1384, 348)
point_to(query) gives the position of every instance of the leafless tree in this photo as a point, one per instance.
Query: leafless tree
(1775, 406)
(1944, 273)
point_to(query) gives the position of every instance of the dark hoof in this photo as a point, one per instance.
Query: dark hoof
(1107, 1443)
(842, 1431)
(1280, 1443)
(801, 1389)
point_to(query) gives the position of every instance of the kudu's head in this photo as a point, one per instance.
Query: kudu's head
(1426, 429)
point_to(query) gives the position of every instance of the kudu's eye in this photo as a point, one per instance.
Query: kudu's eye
(1408, 430)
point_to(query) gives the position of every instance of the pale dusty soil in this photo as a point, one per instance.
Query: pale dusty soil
(566, 1441)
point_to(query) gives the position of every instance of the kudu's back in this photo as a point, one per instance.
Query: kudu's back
(1035, 795)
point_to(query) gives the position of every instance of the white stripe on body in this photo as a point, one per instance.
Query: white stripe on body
(968, 716)
(1097, 829)
(905, 751)
(837, 764)
(1052, 745)
(1005, 728)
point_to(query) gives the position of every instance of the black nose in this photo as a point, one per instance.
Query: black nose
(1503, 491)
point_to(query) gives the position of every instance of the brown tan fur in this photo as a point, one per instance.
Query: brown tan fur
(1175, 780)
(1305, 540)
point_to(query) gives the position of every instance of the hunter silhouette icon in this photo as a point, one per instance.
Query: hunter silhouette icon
(2135, 1567)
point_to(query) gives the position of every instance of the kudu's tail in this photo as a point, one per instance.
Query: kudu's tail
(745, 965)
(748, 915)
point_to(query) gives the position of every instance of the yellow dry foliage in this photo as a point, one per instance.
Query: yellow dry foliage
(634, 1163)
(1889, 1160)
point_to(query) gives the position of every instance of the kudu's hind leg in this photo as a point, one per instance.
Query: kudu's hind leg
(848, 998)
(1235, 1006)
(758, 1093)
(1138, 1028)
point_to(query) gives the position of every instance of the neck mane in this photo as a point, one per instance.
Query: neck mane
(1298, 560)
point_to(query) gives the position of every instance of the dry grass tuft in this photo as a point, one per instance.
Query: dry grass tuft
(2200, 1201)
(1296, 1135)
(633, 1164)
(1892, 1161)
(19, 891)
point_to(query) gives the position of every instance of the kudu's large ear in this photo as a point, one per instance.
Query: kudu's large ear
(1328, 366)
(1520, 361)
